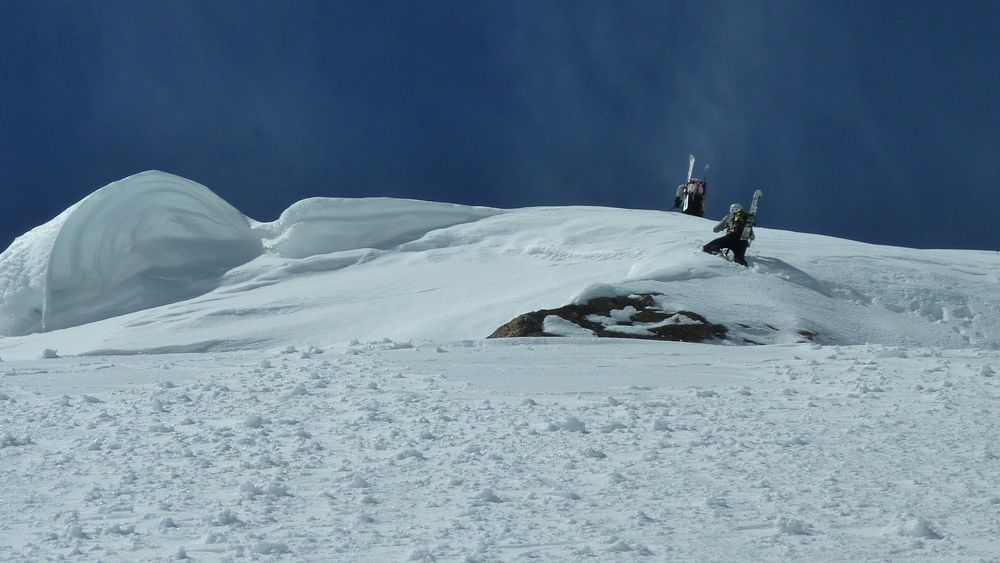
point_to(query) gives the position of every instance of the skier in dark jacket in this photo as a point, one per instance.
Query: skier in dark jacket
(691, 197)
(734, 224)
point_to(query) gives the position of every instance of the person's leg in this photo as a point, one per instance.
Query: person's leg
(739, 252)
(715, 246)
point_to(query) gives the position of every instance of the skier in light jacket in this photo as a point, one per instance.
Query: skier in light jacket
(733, 223)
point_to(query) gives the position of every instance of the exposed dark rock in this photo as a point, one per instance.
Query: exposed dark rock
(695, 329)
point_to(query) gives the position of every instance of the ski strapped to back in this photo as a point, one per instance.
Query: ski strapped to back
(681, 195)
(752, 215)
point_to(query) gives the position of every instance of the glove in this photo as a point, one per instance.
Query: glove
(677, 202)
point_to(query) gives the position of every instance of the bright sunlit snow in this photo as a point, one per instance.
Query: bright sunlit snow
(180, 381)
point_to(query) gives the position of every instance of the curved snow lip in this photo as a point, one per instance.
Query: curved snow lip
(147, 240)
(324, 225)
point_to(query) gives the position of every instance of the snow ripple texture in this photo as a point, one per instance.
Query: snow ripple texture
(149, 239)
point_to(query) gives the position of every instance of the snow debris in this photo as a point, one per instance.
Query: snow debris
(594, 453)
(792, 527)
(916, 527)
(8, 440)
(624, 546)
(612, 426)
(167, 524)
(48, 354)
(255, 421)
(558, 326)
(572, 424)
(120, 530)
(642, 518)
(662, 425)
(75, 531)
(410, 454)
(225, 518)
(359, 482)
(987, 371)
(160, 428)
(270, 548)
(364, 518)
(276, 489)
(424, 555)
(486, 496)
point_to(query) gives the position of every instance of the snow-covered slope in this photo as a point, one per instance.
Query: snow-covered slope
(325, 392)
(338, 269)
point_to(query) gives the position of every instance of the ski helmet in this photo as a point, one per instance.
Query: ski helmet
(735, 207)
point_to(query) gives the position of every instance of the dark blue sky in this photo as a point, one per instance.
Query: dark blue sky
(871, 120)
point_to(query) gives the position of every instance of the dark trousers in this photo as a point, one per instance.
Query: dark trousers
(695, 206)
(733, 242)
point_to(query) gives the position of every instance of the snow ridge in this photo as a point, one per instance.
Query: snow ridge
(143, 241)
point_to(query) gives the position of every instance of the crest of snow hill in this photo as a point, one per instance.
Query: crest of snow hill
(457, 272)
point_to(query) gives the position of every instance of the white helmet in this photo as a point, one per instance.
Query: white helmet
(735, 207)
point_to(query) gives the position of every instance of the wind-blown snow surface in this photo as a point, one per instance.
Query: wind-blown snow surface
(149, 239)
(280, 437)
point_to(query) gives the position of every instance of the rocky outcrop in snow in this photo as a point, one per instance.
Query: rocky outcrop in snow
(632, 316)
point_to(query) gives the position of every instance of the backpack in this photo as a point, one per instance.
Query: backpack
(738, 221)
(694, 203)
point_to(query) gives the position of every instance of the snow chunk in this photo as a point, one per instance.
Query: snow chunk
(558, 326)
(917, 527)
(486, 496)
(793, 527)
(255, 421)
(270, 548)
(595, 291)
(8, 440)
(572, 424)
(225, 518)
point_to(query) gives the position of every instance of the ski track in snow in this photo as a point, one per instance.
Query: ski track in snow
(485, 451)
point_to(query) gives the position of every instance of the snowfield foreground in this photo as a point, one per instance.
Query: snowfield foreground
(325, 391)
(504, 450)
